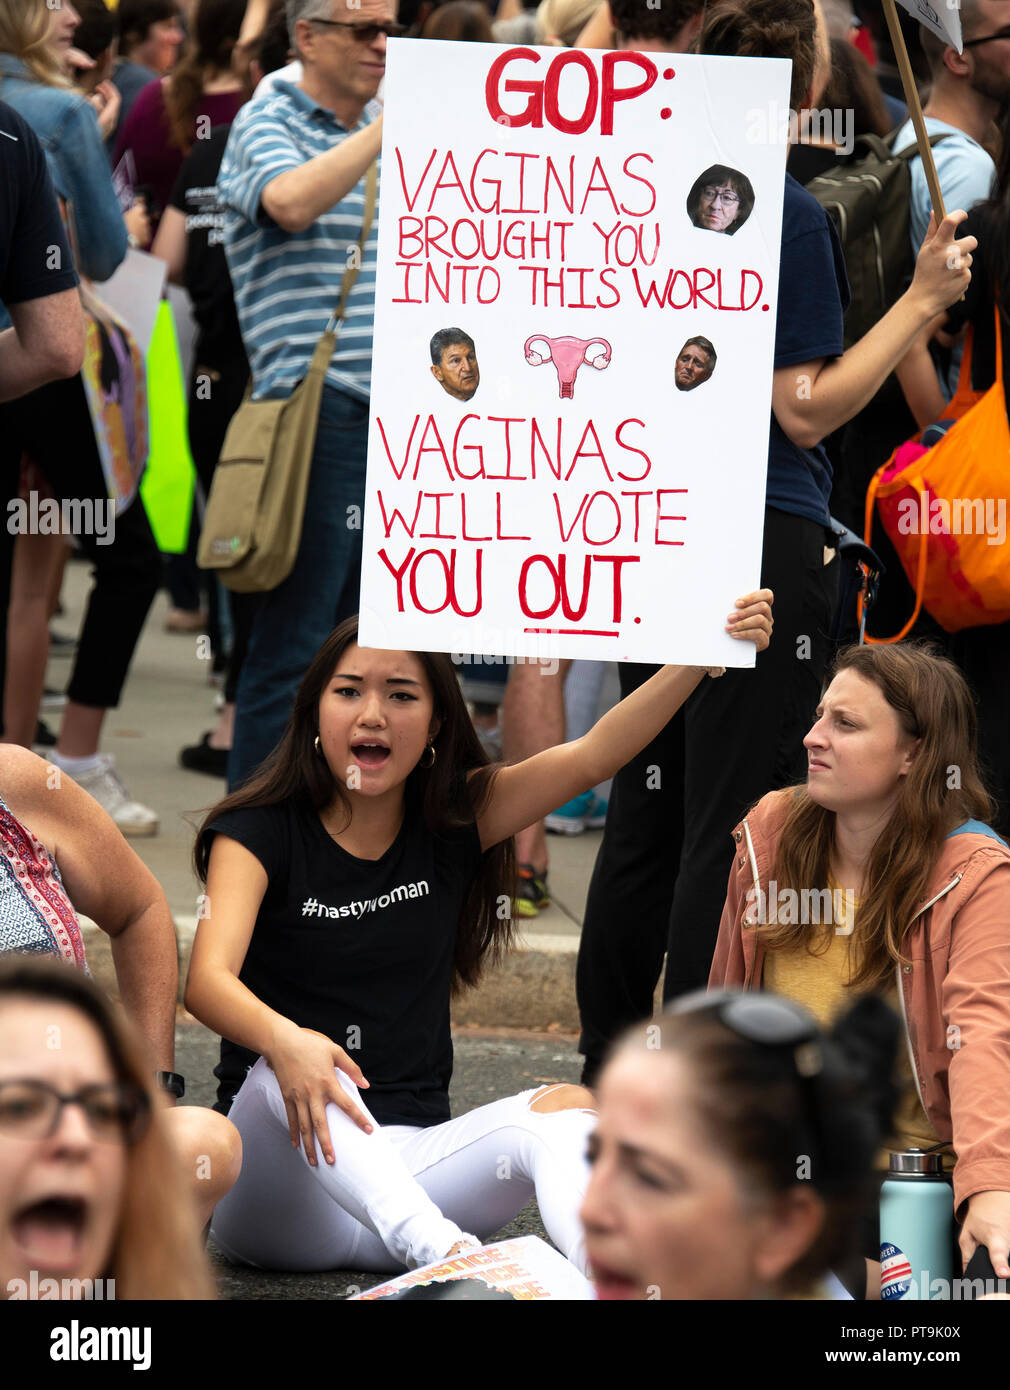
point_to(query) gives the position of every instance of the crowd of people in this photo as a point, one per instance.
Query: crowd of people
(233, 140)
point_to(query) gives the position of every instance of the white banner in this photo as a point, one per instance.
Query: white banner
(574, 330)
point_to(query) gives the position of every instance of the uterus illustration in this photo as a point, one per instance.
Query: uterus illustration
(568, 355)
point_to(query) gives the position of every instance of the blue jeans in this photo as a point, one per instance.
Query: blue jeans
(321, 590)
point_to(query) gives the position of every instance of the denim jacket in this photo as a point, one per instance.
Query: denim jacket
(67, 128)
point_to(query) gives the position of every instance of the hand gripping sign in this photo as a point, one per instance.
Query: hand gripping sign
(620, 211)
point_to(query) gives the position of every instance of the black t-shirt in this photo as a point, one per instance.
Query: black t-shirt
(30, 222)
(207, 278)
(359, 950)
(813, 297)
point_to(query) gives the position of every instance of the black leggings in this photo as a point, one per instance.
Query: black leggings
(53, 427)
(215, 393)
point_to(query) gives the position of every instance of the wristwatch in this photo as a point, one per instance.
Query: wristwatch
(171, 1082)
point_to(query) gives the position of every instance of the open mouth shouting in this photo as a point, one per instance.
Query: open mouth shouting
(370, 753)
(612, 1286)
(50, 1232)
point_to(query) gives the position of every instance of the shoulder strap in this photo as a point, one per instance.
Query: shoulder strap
(351, 273)
(911, 151)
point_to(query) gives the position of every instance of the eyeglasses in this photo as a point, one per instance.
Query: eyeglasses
(365, 33)
(34, 1109)
(776, 1024)
(988, 38)
(720, 195)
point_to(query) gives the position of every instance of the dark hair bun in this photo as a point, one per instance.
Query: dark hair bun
(865, 1041)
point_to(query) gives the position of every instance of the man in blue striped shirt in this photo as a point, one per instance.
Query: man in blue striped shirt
(293, 181)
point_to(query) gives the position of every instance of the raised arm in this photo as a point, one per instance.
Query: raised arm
(527, 791)
(297, 197)
(302, 1059)
(811, 399)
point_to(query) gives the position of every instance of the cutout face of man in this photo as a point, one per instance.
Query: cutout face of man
(458, 374)
(693, 366)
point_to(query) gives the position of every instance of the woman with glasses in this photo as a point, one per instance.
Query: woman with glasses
(60, 854)
(89, 1185)
(880, 875)
(733, 1149)
(721, 199)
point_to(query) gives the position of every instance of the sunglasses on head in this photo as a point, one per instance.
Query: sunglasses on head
(775, 1025)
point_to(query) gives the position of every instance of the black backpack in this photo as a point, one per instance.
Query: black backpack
(867, 194)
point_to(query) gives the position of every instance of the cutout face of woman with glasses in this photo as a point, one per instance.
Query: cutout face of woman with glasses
(90, 1187)
(721, 199)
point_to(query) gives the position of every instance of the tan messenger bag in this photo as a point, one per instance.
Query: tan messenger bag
(252, 527)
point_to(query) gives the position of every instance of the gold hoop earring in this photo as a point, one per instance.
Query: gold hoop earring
(430, 748)
(315, 745)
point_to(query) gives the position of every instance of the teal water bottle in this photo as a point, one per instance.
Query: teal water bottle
(916, 1220)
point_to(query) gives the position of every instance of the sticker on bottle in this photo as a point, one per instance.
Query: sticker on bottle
(895, 1272)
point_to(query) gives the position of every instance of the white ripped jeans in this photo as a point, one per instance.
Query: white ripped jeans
(400, 1196)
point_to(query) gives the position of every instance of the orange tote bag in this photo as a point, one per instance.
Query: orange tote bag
(945, 509)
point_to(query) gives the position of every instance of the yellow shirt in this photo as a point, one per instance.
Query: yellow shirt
(821, 984)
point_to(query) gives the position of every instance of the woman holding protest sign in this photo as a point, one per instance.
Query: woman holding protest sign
(881, 875)
(380, 804)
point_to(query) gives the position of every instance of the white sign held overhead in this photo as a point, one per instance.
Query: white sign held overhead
(572, 364)
(942, 18)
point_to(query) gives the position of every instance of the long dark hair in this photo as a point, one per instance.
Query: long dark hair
(933, 704)
(216, 29)
(448, 795)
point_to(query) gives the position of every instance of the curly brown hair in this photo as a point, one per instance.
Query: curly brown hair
(766, 29)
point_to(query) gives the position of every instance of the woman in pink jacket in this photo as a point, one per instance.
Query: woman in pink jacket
(880, 875)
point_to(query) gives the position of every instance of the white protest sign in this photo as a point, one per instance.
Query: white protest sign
(588, 477)
(134, 293)
(942, 18)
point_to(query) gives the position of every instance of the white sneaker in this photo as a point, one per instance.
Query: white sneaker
(104, 783)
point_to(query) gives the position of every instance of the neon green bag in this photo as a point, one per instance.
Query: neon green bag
(168, 482)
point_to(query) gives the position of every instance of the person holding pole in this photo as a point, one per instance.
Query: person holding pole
(667, 836)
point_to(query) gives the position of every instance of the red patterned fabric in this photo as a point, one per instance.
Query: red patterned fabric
(35, 912)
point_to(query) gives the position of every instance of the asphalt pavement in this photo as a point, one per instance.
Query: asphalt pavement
(487, 1067)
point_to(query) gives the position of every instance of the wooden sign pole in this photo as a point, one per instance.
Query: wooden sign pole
(914, 108)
